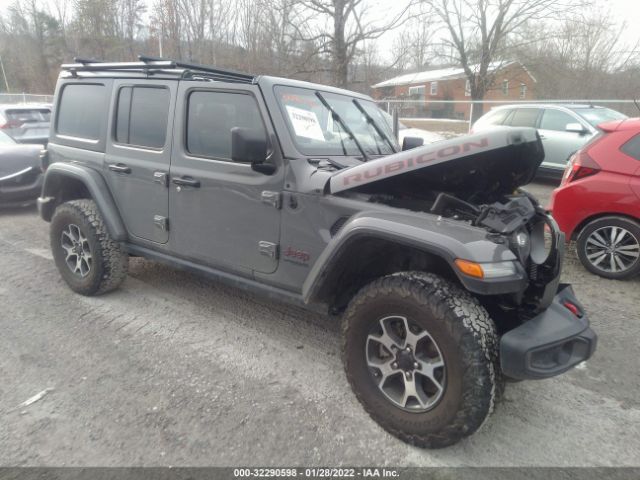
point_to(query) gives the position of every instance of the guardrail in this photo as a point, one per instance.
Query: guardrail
(25, 98)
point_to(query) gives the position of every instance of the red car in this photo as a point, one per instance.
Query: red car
(598, 201)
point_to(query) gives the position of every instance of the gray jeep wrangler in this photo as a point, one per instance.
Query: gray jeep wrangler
(445, 274)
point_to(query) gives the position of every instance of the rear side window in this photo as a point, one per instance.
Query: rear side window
(525, 117)
(81, 112)
(212, 115)
(142, 115)
(556, 120)
(632, 147)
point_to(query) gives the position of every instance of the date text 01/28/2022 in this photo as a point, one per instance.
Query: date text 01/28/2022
(316, 472)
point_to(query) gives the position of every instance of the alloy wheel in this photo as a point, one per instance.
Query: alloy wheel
(406, 364)
(77, 250)
(612, 249)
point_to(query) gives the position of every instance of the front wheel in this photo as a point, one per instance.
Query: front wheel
(88, 259)
(421, 355)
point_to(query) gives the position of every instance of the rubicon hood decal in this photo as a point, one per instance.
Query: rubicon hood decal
(452, 152)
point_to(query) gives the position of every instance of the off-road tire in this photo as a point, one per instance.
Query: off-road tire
(109, 261)
(466, 337)
(633, 227)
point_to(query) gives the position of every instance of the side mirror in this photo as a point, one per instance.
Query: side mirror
(250, 146)
(575, 128)
(411, 142)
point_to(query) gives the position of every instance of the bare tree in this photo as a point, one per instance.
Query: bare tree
(583, 56)
(339, 28)
(35, 47)
(414, 47)
(129, 22)
(478, 30)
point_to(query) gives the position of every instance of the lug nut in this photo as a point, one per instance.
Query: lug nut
(408, 375)
(408, 349)
(415, 365)
(394, 365)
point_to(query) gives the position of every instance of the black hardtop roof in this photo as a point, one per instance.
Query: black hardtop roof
(153, 67)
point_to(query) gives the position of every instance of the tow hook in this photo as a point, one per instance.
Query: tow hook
(572, 308)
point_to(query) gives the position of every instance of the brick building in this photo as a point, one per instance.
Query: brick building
(512, 82)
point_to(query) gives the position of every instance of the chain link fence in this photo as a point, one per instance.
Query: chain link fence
(451, 117)
(24, 98)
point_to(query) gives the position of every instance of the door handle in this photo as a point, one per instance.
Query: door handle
(119, 168)
(186, 182)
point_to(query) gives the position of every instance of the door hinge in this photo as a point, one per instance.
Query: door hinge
(271, 198)
(268, 249)
(162, 178)
(161, 222)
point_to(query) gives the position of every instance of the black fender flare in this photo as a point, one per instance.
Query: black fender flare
(426, 235)
(95, 185)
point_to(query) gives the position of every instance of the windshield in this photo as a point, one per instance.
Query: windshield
(315, 132)
(597, 115)
(6, 139)
(389, 119)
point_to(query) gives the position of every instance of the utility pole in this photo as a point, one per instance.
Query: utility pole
(4, 75)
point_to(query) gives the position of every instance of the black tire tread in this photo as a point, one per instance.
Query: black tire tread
(115, 261)
(476, 333)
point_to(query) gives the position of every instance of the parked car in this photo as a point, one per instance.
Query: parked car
(562, 128)
(598, 202)
(20, 172)
(243, 179)
(26, 122)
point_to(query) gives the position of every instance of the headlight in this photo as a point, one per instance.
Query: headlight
(486, 270)
(521, 244)
(498, 269)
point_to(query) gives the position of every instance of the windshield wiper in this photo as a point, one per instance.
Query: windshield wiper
(373, 123)
(344, 126)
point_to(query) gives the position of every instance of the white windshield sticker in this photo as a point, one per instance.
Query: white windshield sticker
(305, 123)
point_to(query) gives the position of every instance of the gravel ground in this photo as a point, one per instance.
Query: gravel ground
(173, 369)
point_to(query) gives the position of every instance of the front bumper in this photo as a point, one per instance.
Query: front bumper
(550, 343)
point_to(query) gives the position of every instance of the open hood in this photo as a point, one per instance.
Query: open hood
(482, 166)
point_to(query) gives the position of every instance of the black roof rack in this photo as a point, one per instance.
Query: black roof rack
(154, 65)
(85, 60)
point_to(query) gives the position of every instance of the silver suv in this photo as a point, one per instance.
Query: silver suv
(562, 128)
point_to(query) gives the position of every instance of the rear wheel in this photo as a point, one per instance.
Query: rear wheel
(421, 355)
(610, 247)
(88, 259)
